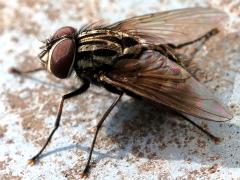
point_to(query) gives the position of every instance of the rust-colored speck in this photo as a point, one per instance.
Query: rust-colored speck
(202, 172)
(16, 102)
(10, 176)
(3, 129)
(201, 143)
(29, 3)
(53, 14)
(3, 165)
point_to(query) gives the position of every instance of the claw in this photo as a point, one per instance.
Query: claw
(84, 174)
(14, 70)
(31, 162)
(217, 140)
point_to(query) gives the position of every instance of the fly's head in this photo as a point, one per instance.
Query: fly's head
(58, 52)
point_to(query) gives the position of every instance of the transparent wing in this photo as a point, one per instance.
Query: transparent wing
(172, 27)
(159, 79)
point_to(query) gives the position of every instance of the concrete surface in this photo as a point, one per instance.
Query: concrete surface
(138, 140)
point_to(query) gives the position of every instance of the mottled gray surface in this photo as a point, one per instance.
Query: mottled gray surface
(138, 140)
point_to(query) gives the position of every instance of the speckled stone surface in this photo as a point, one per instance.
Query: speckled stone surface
(138, 140)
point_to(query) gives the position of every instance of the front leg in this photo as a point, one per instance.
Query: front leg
(20, 72)
(78, 91)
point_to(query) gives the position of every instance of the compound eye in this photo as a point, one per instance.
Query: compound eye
(64, 31)
(62, 56)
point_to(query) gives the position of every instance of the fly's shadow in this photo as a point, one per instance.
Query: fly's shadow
(144, 130)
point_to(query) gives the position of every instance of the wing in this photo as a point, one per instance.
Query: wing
(172, 27)
(159, 79)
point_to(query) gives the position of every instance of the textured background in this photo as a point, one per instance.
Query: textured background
(138, 140)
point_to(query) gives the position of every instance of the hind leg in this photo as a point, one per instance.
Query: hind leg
(200, 42)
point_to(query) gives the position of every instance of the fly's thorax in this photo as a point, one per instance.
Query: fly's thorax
(59, 54)
(108, 39)
(102, 47)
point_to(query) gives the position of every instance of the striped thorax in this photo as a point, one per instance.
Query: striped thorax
(102, 47)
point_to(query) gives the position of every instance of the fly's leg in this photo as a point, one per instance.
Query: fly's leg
(203, 40)
(87, 167)
(169, 50)
(186, 61)
(19, 72)
(78, 91)
(215, 139)
(27, 74)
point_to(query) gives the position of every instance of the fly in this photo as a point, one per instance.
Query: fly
(136, 57)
